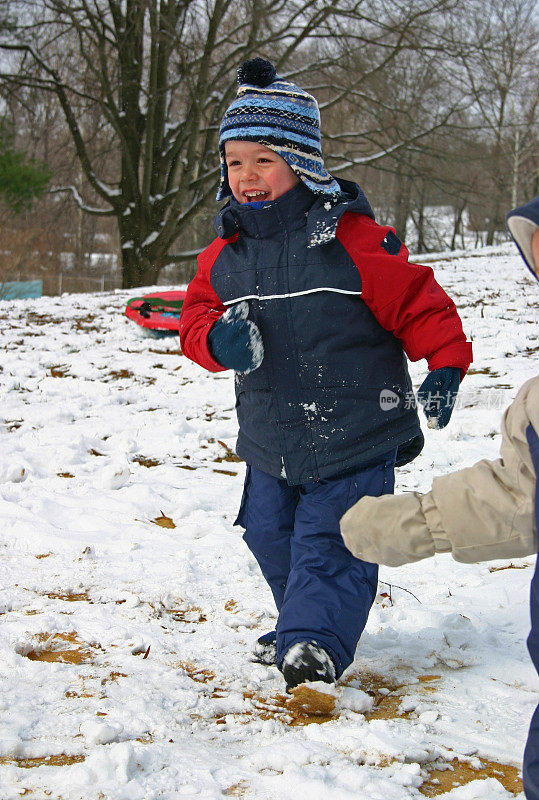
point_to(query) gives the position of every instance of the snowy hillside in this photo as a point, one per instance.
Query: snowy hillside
(129, 603)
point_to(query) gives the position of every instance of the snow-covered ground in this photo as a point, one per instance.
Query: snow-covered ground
(129, 603)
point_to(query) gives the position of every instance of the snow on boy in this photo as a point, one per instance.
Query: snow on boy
(314, 305)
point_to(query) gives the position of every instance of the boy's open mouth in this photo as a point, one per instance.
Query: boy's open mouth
(255, 194)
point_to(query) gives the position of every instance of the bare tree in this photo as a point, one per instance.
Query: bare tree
(155, 76)
(502, 73)
(452, 122)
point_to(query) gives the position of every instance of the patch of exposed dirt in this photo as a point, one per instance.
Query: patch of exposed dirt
(147, 462)
(387, 693)
(122, 374)
(445, 776)
(44, 555)
(86, 324)
(69, 597)
(118, 374)
(65, 474)
(61, 647)
(165, 352)
(198, 674)
(42, 319)
(509, 566)
(183, 613)
(303, 706)
(483, 370)
(62, 760)
(77, 695)
(113, 678)
(427, 682)
(308, 702)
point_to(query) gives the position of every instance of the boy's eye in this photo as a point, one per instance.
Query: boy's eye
(233, 163)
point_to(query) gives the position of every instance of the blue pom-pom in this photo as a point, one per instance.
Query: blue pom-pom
(257, 72)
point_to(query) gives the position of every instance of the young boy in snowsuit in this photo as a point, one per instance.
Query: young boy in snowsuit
(314, 306)
(484, 512)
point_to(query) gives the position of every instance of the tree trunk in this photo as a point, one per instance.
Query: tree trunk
(420, 222)
(516, 170)
(139, 271)
(457, 223)
(402, 202)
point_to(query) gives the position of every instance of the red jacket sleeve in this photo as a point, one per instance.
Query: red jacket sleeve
(405, 298)
(201, 308)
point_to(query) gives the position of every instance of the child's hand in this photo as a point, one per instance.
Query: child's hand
(235, 342)
(437, 395)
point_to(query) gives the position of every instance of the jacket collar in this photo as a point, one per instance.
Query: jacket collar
(324, 216)
(285, 213)
(289, 211)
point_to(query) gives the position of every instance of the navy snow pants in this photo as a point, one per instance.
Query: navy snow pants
(321, 591)
(530, 771)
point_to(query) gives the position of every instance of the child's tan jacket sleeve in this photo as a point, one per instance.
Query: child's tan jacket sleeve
(480, 513)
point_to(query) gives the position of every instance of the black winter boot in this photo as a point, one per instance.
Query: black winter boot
(265, 649)
(307, 661)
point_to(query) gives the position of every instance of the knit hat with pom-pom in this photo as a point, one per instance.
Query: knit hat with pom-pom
(281, 116)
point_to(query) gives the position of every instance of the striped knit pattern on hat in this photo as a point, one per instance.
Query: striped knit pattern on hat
(282, 117)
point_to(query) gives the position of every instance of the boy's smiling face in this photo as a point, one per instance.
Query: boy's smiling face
(257, 173)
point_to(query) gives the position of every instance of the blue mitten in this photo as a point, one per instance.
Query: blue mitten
(235, 342)
(437, 395)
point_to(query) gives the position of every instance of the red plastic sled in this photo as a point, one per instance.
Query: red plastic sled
(158, 312)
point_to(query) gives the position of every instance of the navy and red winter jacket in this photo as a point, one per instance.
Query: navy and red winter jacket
(338, 306)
